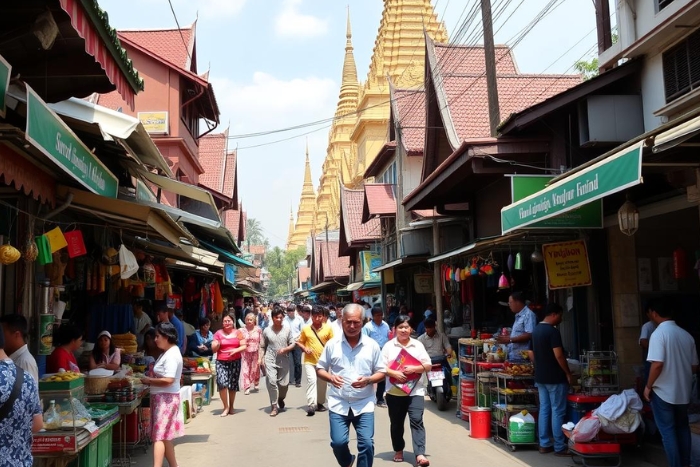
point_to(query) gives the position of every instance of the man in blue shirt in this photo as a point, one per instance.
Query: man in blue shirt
(181, 338)
(378, 330)
(524, 325)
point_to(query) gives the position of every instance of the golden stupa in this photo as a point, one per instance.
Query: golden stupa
(306, 212)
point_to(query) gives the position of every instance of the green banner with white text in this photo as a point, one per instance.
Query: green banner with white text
(610, 175)
(5, 73)
(48, 133)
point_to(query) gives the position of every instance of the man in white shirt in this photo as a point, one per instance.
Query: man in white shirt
(352, 363)
(14, 328)
(295, 323)
(674, 360)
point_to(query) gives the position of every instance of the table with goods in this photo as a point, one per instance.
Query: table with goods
(476, 356)
(75, 433)
(197, 372)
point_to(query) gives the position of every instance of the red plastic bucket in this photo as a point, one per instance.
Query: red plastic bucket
(468, 394)
(479, 423)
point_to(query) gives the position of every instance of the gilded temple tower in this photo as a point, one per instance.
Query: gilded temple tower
(306, 212)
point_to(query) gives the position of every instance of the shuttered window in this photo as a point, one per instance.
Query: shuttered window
(682, 67)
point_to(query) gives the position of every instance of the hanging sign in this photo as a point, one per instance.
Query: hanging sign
(48, 133)
(5, 72)
(154, 122)
(229, 274)
(423, 283)
(588, 216)
(370, 260)
(610, 175)
(567, 264)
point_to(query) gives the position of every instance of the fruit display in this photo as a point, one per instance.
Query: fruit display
(62, 376)
(518, 369)
(197, 365)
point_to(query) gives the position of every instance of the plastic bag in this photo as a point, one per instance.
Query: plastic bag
(127, 263)
(586, 429)
(52, 419)
(628, 422)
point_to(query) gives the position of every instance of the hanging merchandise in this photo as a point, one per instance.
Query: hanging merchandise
(56, 239)
(75, 243)
(127, 263)
(680, 263)
(149, 273)
(519, 262)
(218, 301)
(9, 254)
(503, 282)
(511, 263)
(44, 249)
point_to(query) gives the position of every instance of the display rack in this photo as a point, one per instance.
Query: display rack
(509, 401)
(599, 373)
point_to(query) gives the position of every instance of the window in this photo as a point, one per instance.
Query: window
(681, 66)
(389, 175)
(661, 4)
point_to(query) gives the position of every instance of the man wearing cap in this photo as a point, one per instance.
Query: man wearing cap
(378, 330)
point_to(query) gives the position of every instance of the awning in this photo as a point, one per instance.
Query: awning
(116, 126)
(185, 252)
(183, 189)
(132, 217)
(612, 174)
(322, 286)
(678, 135)
(228, 256)
(474, 246)
(193, 268)
(379, 201)
(354, 286)
(401, 261)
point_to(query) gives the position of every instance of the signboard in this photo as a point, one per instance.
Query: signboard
(5, 73)
(610, 175)
(423, 283)
(229, 274)
(144, 193)
(588, 216)
(155, 122)
(370, 260)
(48, 133)
(567, 264)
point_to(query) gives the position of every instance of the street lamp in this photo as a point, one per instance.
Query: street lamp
(628, 218)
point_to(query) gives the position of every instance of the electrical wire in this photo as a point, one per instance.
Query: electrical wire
(179, 29)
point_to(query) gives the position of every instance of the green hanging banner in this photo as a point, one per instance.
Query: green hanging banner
(5, 73)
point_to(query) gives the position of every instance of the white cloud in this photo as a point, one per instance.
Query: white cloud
(290, 22)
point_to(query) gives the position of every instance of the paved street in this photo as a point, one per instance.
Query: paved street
(251, 437)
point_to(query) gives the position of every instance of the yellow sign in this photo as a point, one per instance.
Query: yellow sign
(567, 264)
(155, 122)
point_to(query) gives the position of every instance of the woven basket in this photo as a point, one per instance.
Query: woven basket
(96, 384)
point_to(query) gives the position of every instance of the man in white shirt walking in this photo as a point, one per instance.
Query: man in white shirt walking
(295, 324)
(673, 359)
(352, 363)
(15, 330)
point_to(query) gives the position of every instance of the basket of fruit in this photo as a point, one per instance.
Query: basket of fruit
(518, 369)
(60, 381)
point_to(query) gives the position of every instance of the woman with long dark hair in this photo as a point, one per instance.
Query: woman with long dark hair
(67, 340)
(405, 390)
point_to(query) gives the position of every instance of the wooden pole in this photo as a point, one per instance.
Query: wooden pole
(490, 53)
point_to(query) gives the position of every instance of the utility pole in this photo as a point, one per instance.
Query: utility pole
(490, 53)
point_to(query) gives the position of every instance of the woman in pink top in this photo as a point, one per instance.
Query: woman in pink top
(250, 368)
(228, 344)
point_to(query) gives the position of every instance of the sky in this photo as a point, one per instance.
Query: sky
(278, 63)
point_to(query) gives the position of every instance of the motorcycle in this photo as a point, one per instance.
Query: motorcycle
(440, 382)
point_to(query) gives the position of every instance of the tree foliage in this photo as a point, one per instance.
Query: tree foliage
(588, 69)
(282, 266)
(254, 232)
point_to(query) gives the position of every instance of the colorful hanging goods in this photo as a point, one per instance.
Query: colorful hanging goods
(42, 245)
(56, 239)
(519, 262)
(127, 263)
(503, 282)
(511, 263)
(149, 274)
(9, 254)
(680, 264)
(75, 243)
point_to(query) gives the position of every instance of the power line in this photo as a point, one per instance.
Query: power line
(179, 29)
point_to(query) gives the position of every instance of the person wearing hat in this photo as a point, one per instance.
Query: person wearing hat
(104, 354)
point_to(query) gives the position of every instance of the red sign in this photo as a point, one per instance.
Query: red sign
(54, 443)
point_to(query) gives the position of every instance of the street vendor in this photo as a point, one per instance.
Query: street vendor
(525, 321)
(104, 354)
(67, 339)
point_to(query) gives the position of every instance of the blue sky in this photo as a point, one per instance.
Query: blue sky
(278, 63)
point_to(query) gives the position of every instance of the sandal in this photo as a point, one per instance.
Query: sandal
(422, 462)
(224, 413)
(247, 392)
(274, 412)
(398, 457)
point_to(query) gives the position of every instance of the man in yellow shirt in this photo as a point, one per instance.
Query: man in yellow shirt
(311, 341)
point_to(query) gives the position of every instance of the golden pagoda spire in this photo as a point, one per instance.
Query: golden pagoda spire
(290, 234)
(349, 86)
(307, 209)
(399, 56)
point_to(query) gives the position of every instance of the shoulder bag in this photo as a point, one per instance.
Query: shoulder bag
(6, 408)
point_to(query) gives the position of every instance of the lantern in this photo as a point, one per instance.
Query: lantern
(519, 262)
(628, 218)
(503, 282)
(680, 264)
(511, 262)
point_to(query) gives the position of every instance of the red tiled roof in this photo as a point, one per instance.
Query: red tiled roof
(212, 156)
(379, 201)
(166, 43)
(333, 265)
(112, 100)
(234, 220)
(409, 111)
(462, 77)
(355, 232)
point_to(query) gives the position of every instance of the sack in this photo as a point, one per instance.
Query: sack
(521, 428)
(628, 422)
(127, 263)
(586, 429)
